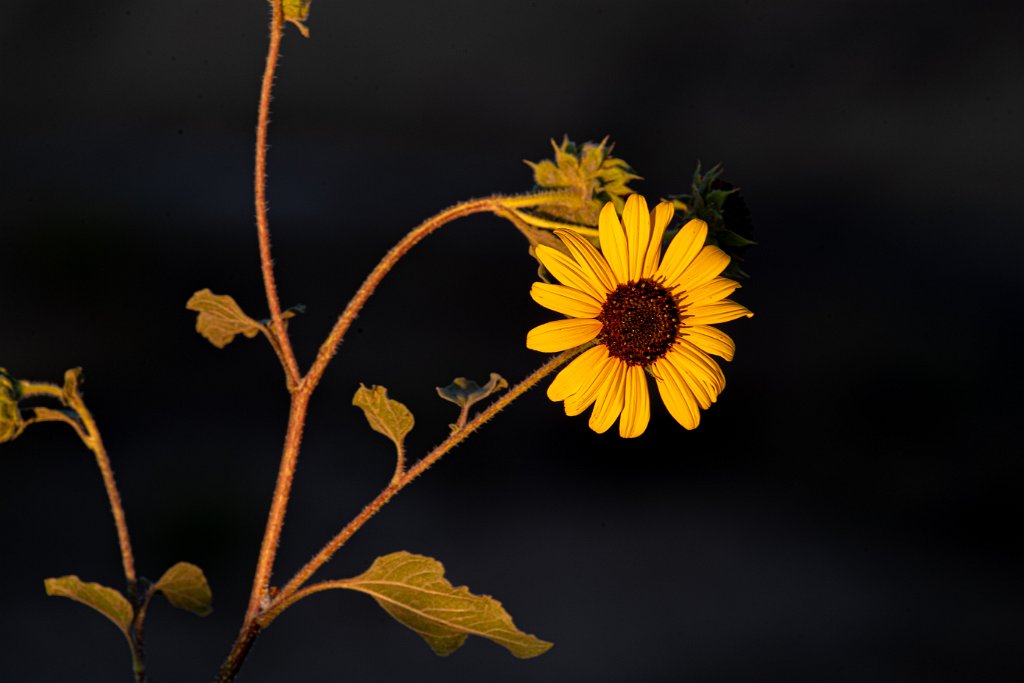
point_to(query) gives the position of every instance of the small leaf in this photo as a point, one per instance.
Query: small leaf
(106, 601)
(389, 417)
(297, 11)
(185, 587)
(220, 318)
(465, 392)
(413, 590)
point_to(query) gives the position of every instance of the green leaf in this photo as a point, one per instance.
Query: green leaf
(465, 392)
(413, 590)
(389, 417)
(220, 318)
(185, 587)
(106, 601)
(297, 11)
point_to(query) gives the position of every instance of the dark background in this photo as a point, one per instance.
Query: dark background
(848, 511)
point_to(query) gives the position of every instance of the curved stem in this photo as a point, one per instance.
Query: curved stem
(95, 444)
(262, 225)
(496, 204)
(89, 433)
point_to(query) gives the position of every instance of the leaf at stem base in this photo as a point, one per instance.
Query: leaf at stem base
(413, 590)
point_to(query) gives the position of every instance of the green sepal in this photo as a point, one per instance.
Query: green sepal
(721, 205)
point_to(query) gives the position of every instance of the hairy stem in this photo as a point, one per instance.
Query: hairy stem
(88, 432)
(497, 204)
(284, 345)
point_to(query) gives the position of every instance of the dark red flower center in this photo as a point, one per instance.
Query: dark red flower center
(640, 322)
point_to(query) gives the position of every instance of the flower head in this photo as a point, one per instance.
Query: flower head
(645, 312)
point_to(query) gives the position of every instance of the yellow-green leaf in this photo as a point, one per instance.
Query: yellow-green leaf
(413, 590)
(185, 587)
(106, 601)
(220, 318)
(297, 11)
(387, 416)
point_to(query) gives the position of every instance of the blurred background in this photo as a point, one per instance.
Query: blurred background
(848, 511)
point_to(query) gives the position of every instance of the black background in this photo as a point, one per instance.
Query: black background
(848, 511)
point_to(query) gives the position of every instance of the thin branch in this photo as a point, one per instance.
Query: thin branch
(262, 224)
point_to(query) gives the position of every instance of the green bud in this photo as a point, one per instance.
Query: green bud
(589, 171)
(718, 203)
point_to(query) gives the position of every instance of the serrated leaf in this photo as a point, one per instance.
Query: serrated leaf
(413, 590)
(465, 392)
(220, 318)
(385, 415)
(107, 601)
(185, 587)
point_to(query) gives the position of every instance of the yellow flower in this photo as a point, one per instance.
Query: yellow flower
(645, 313)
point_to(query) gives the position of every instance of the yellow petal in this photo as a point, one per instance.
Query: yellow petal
(613, 243)
(581, 400)
(710, 292)
(636, 406)
(565, 300)
(661, 216)
(609, 398)
(637, 222)
(719, 312)
(560, 335)
(705, 267)
(676, 395)
(569, 272)
(581, 370)
(588, 258)
(699, 364)
(711, 340)
(702, 389)
(681, 251)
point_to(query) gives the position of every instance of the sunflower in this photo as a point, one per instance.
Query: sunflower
(645, 312)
